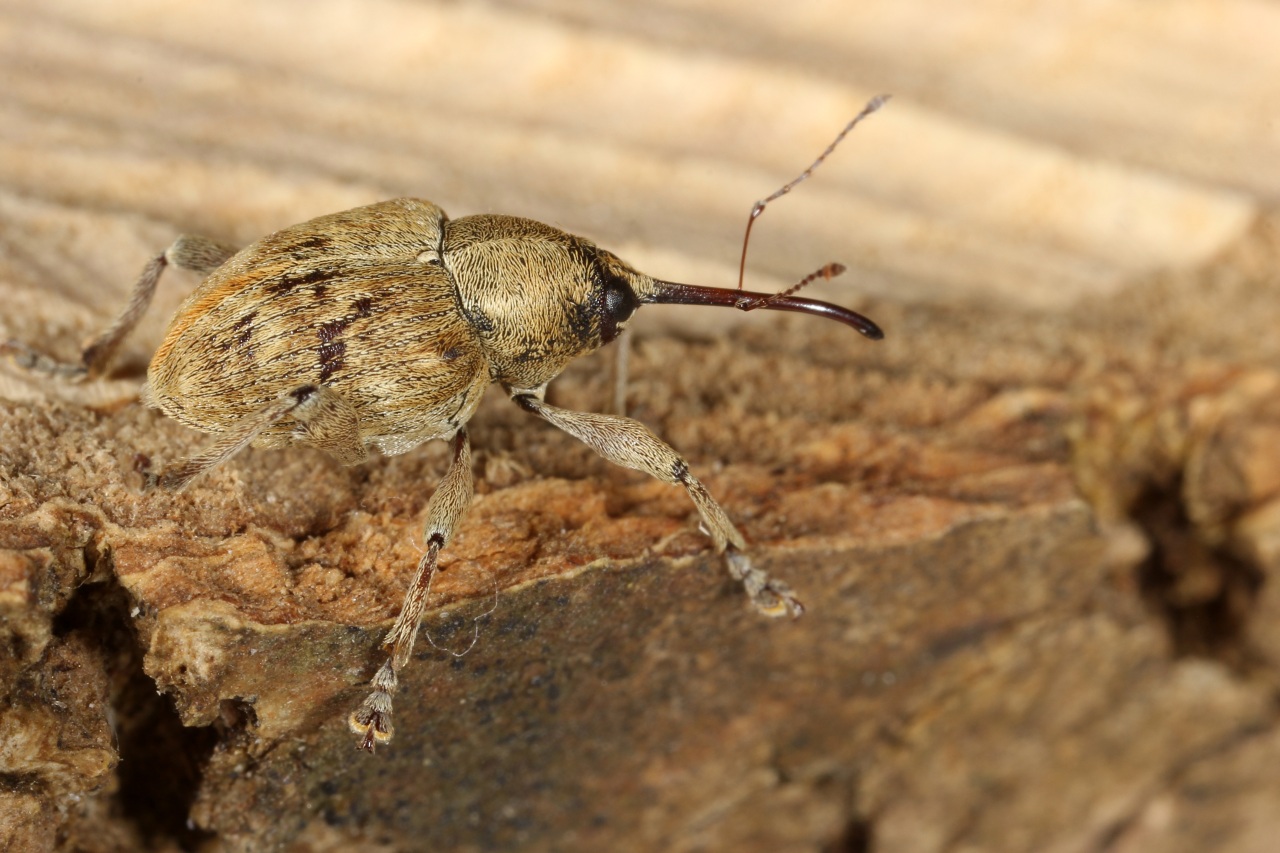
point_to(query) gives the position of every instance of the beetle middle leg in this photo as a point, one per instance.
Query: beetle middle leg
(631, 444)
(372, 719)
(325, 420)
(192, 253)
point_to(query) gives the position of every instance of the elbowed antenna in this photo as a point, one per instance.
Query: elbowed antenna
(673, 293)
(758, 208)
(745, 300)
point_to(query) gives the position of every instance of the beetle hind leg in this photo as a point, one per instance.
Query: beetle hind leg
(372, 720)
(193, 253)
(631, 444)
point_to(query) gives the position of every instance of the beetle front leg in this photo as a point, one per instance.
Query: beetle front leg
(631, 444)
(192, 253)
(372, 720)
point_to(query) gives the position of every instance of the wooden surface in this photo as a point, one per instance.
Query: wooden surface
(1037, 527)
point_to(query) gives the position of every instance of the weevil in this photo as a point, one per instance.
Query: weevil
(379, 328)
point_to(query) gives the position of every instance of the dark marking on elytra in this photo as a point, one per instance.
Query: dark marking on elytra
(332, 348)
(244, 332)
(451, 353)
(307, 246)
(241, 334)
(333, 329)
(331, 358)
(287, 282)
(363, 307)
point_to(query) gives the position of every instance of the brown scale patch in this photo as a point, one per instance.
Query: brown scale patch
(288, 281)
(243, 333)
(332, 348)
(306, 247)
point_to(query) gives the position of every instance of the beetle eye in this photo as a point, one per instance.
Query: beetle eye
(619, 303)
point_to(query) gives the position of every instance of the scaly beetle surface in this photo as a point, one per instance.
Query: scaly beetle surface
(381, 327)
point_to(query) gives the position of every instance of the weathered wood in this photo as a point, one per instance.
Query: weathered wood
(1035, 528)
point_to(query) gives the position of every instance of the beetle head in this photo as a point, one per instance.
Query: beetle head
(539, 297)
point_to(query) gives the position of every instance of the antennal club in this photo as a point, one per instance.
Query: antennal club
(874, 104)
(827, 273)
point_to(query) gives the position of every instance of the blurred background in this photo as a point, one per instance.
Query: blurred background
(1033, 153)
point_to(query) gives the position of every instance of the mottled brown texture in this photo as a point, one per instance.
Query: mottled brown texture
(1036, 527)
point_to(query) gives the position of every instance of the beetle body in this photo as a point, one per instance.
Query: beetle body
(407, 315)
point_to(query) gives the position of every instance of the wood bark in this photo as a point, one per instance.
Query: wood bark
(1036, 528)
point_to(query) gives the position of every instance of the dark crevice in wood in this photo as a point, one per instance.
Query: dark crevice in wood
(161, 761)
(1204, 594)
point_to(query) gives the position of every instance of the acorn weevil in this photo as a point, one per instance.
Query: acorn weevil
(381, 327)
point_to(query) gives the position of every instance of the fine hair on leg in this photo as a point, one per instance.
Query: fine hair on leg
(631, 444)
(372, 719)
